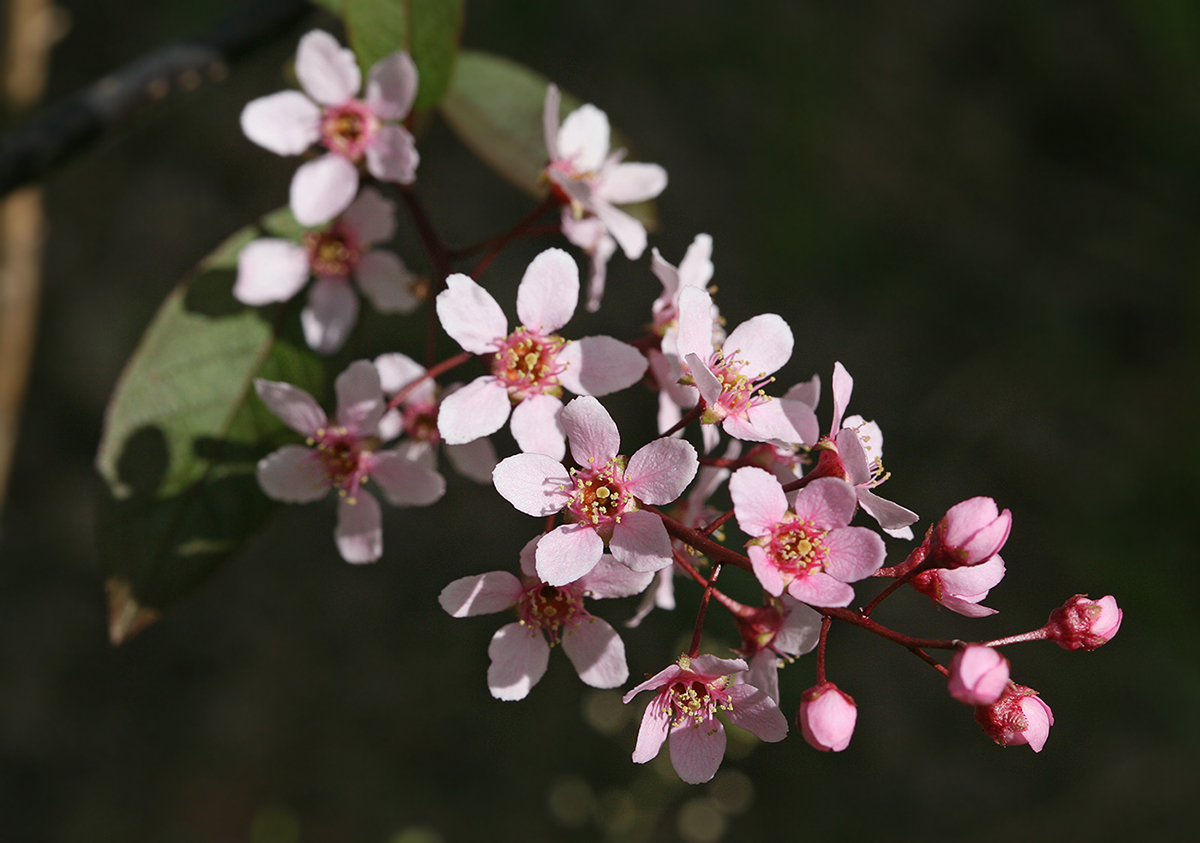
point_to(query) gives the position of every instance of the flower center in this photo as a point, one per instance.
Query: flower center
(695, 700)
(331, 253)
(599, 497)
(345, 457)
(739, 391)
(528, 364)
(349, 128)
(796, 548)
(548, 608)
(420, 421)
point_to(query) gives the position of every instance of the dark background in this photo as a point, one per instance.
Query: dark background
(988, 212)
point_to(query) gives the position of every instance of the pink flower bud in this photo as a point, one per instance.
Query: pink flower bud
(1018, 717)
(827, 716)
(970, 532)
(978, 675)
(1083, 624)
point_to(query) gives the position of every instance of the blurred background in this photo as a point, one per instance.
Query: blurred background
(988, 212)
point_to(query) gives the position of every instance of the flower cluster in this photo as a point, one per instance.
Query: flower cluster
(610, 526)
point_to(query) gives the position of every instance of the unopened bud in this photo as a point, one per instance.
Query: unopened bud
(1083, 624)
(827, 717)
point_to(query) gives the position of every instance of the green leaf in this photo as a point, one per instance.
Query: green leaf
(334, 6)
(429, 30)
(495, 106)
(183, 433)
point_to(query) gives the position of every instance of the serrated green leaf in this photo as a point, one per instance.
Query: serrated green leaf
(495, 105)
(183, 433)
(429, 30)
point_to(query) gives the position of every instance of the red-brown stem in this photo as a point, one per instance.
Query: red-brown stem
(717, 523)
(860, 620)
(826, 622)
(689, 417)
(736, 608)
(432, 372)
(716, 552)
(708, 590)
(1036, 635)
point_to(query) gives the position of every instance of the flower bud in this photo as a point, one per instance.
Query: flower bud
(978, 675)
(827, 716)
(1083, 624)
(970, 532)
(1018, 717)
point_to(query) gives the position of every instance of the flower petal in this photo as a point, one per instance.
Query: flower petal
(405, 478)
(478, 409)
(759, 502)
(891, 516)
(583, 139)
(843, 386)
(359, 532)
(695, 334)
(591, 431)
(519, 658)
(270, 270)
(322, 188)
(612, 579)
(330, 315)
(550, 120)
(536, 427)
(386, 281)
(627, 230)
(656, 723)
(481, 594)
(392, 155)
(640, 541)
(763, 344)
(294, 407)
(392, 86)
(360, 403)
(597, 653)
(370, 217)
(626, 183)
(286, 123)
(535, 484)
(397, 371)
(854, 553)
(697, 749)
(548, 292)
(293, 474)
(828, 502)
(327, 71)
(660, 471)
(568, 552)
(474, 460)
(470, 315)
(600, 366)
(755, 711)
(821, 590)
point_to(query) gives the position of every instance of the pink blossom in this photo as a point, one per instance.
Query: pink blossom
(417, 417)
(531, 365)
(827, 717)
(970, 532)
(1083, 624)
(271, 270)
(961, 589)
(602, 499)
(782, 627)
(731, 379)
(978, 675)
(853, 451)
(807, 550)
(1018, 717)
(592, 180)
(591, 235)
(690, 693)
(344, 456)
(546, 616)
(350, 129)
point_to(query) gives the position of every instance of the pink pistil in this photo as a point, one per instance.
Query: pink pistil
(739, 392)
(548, 608)
(527, 364)
(796, 548)
(599, 498)
(349, 128)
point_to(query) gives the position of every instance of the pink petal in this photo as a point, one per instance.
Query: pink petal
(821, 590)
(696, 268)
(392, 86)
(975, 580)
(640, 541)
(474, 460)
(286, 123)
(758, 713)
(535, 426)
(392, 155)
(706, 382)
(536, 485)
(764, 673)
(397, 371)
(597, 653)
(1039, 718)
(779, 419)
(330, 315)
(827, 502)
(800, 631)
(765, 570)
(891, 516)
(843, 386)
(384, 279)
(270, 270)
(359, 532)
(600, 366)
(854, 553)
(591, 431)
(854, 456)
(656, 723)
(695, 325)
(763, 344)
(713, 666)
(660, 471)
(405, 478)
(697, 750)
(478, 409)
(370, 217)
(759, 502)
(322, 188)
(360, 403)
(482, 594)
(294, 407)
(327, 71)
(519, 658)
(583, 139)
(627, 183)
(629, 233)
(548, 292)
(293, 474)
(664, 677)
(808, 392)
(550, 120)
(567, 553)
(966, 608)
(612, 579)
(470, 315)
